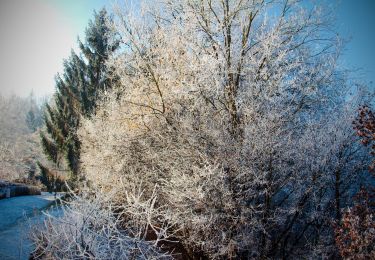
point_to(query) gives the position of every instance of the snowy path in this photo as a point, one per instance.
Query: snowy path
(16, 214)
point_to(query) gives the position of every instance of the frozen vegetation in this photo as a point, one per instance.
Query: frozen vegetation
(211, 129)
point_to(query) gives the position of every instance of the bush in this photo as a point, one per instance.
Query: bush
(91, 227)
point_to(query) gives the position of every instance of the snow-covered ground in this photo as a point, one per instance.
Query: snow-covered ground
(16, 215)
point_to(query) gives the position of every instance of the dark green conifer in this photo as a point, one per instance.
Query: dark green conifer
(96, 51)
(77, 93)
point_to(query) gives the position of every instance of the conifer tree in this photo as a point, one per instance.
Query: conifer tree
(85, 75)
(96, 50)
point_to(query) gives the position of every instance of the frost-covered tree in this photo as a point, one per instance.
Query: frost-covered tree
(19, 146)
(222, 109)
(234, 117)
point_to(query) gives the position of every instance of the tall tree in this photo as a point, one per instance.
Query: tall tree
(228, 112)
(85, 75)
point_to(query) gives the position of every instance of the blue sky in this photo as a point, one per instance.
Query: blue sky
(36, 35)
(78, 11)
(356, 21)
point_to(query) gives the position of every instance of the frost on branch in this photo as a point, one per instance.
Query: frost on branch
(93, 227)
(19, 147)
(355, 233)
(238, 117)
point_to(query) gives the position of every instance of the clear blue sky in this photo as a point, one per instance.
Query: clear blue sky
(356, 21)
(36, 35)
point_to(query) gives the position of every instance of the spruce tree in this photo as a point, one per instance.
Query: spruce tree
(77, 92)
(96, 50)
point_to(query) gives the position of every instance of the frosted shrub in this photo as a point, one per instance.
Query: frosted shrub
(228, 111)
(91, 227)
